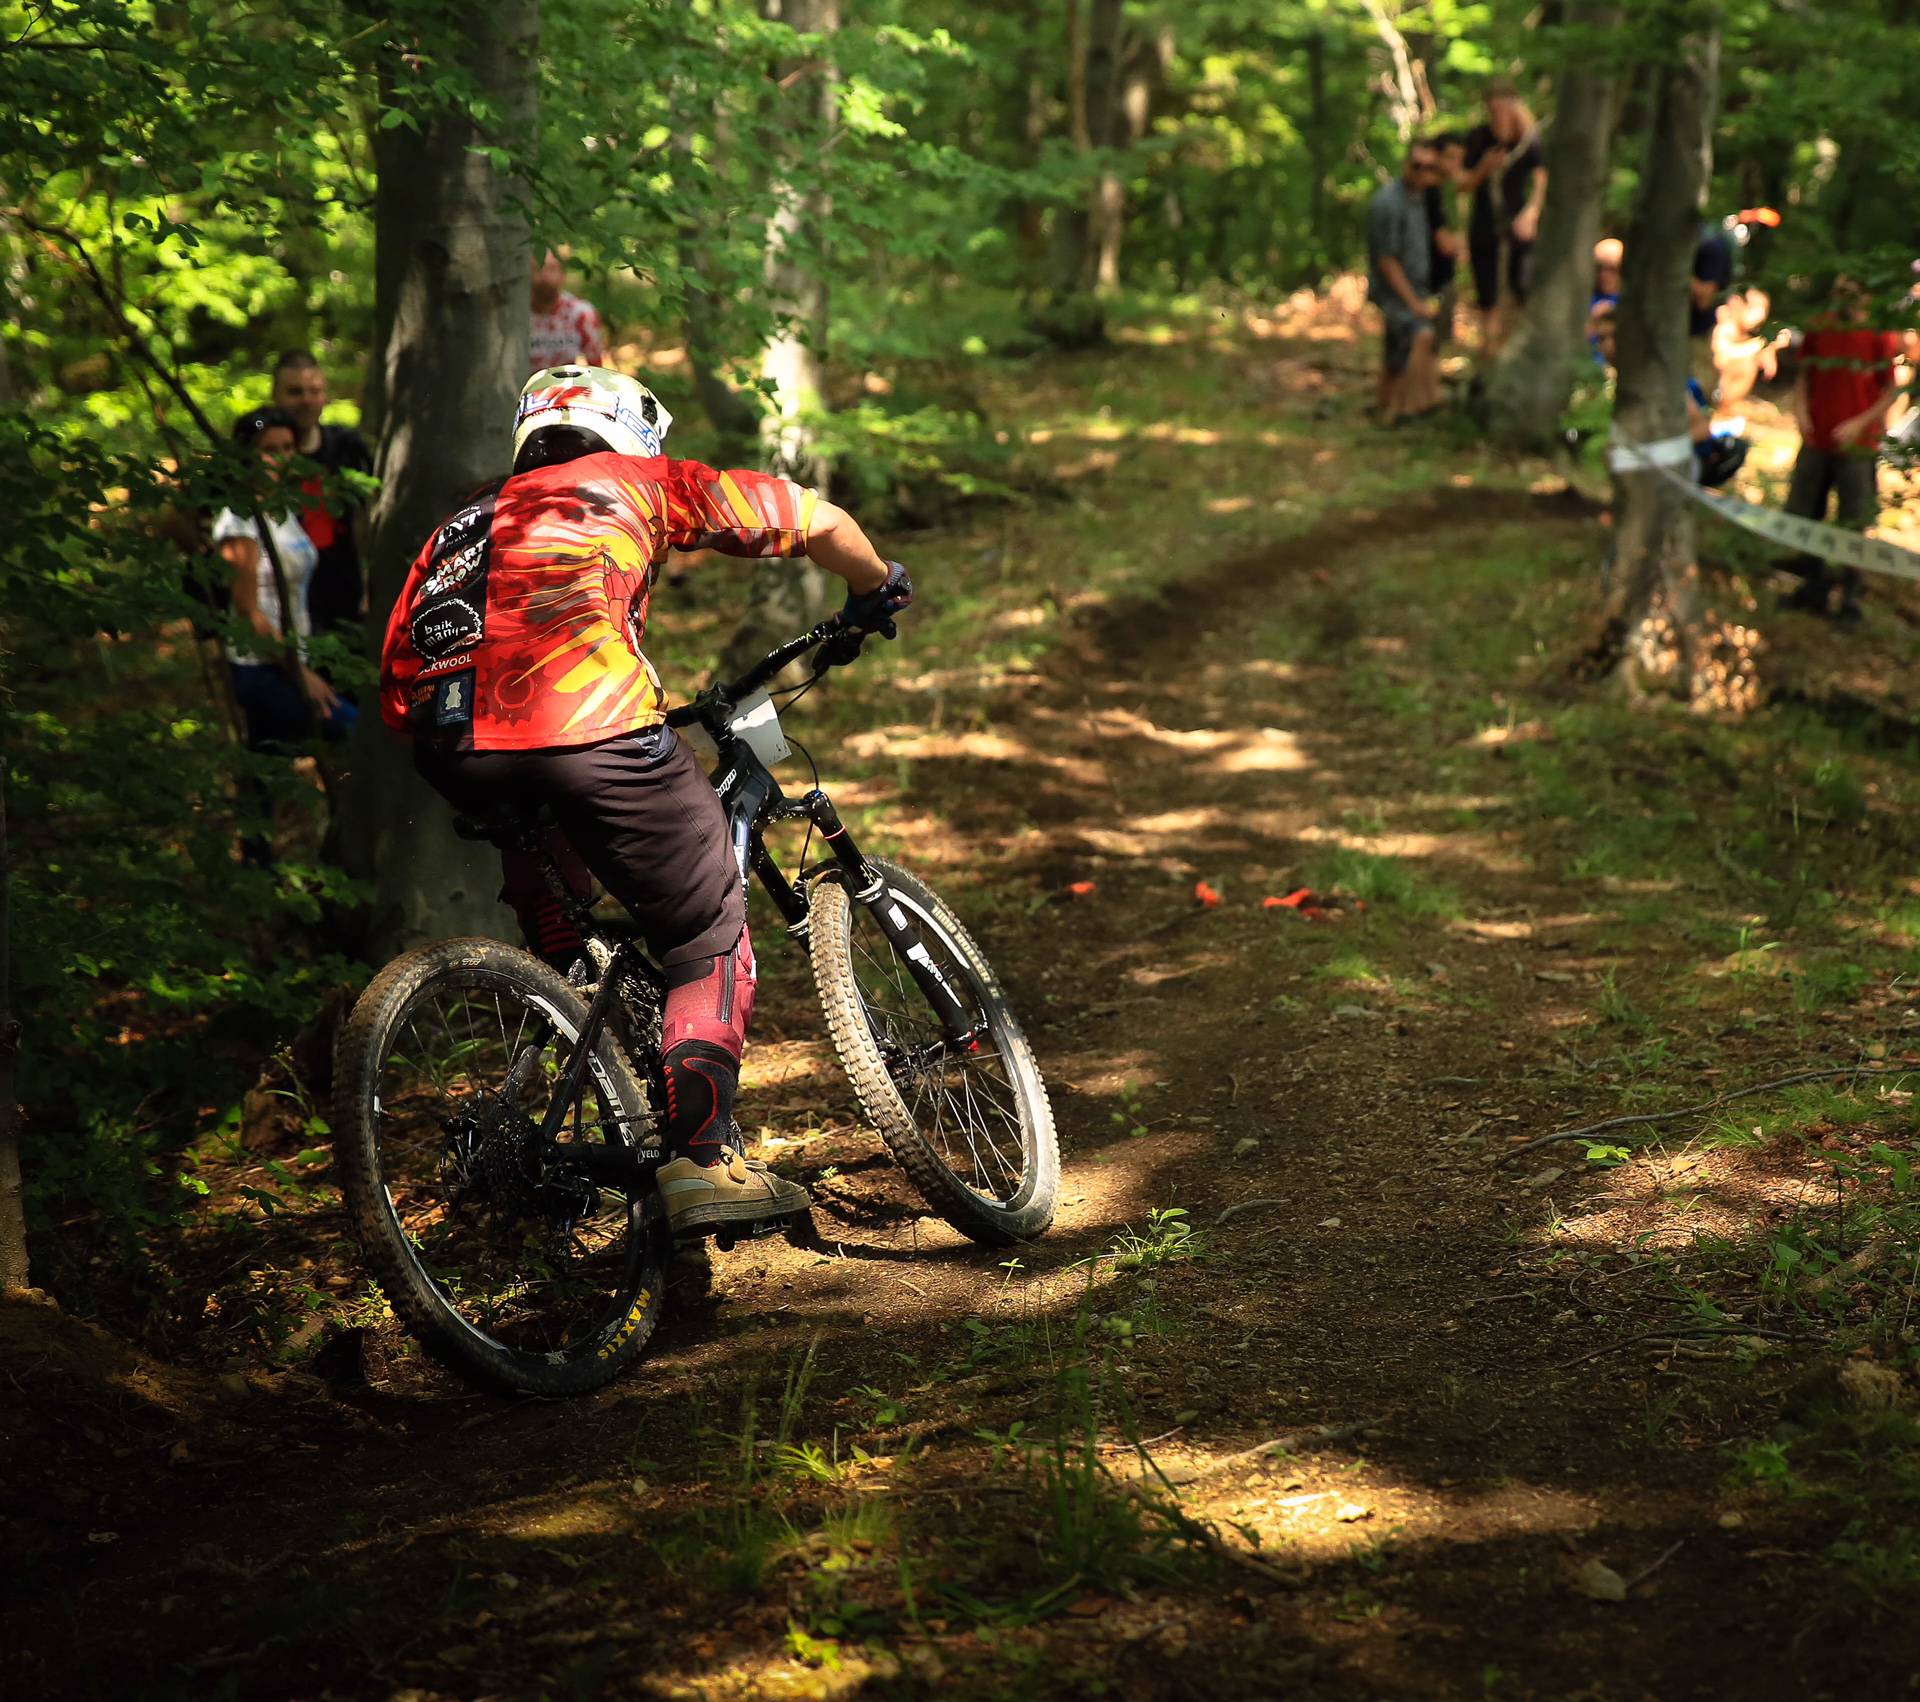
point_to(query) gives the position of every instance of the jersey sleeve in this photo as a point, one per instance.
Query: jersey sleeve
(738, 513)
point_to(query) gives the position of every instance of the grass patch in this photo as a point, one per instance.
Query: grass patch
(1384, 883)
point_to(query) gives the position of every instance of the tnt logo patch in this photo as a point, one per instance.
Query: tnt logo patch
(453, 700)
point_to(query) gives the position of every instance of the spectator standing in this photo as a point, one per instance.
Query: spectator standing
(1399, 255)
(1712, 273)
(271, 699)
(1505, 171)
(1609, 255)
(1447, 246)
(1848, 380)
(565, 330)
(338, 594)
(1742, 355)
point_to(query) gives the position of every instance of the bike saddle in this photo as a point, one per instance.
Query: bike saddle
(511, 826)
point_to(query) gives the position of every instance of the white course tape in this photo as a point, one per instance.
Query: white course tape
(1624, 457)
(1809, 537)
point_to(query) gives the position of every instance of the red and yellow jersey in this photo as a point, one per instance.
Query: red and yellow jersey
(520, 626)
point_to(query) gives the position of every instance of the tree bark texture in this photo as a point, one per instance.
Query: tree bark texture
(1533, 377)
(785, 597)
(1094, 96)
(1663, 621)
(451, 321)
(1143, 71)
(13, 1209)
(1404, 79)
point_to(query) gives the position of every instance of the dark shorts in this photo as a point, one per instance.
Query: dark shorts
(1402, 327)
(276, 714)
(639, 813)
(1486, 270)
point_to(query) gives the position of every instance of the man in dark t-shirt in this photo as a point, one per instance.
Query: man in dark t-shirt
(337, 595)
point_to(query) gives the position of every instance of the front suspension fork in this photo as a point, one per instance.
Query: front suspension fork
(864, 886)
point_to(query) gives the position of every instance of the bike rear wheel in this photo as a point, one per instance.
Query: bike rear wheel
(499, 1257)
(972, 1127)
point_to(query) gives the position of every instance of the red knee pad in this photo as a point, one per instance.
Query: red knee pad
(543, 918)
(711, 1001)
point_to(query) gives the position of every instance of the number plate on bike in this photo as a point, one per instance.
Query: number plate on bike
(756, 723)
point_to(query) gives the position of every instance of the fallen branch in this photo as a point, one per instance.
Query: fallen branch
(1676, 1337)
(1694, 1110)
(1654, 1566)
(1874, 1253)
(1292, 1442)
(1245, 1205)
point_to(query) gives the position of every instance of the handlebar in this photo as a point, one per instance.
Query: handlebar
(838, 642)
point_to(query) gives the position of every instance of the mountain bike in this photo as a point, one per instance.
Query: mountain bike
(497, 1124)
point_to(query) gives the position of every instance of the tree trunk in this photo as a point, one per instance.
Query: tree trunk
(1142, 72)
(1094, 86)
(1317, 161)
(1533, 376)
(1661, 622)
(1029, 121)
(785, 597)
(1403, 81)
(13, 1212)
(450, 312)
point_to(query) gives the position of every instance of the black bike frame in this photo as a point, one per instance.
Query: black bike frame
(753, 802)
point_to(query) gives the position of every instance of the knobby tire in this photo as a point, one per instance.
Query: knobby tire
(833, 916)
(365, 1045)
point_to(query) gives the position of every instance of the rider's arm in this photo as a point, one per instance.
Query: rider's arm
(742, 513)
(836, 542)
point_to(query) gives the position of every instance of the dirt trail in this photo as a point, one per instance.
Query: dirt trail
(420, 1540)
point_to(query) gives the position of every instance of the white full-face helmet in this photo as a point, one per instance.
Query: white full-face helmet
(620, 412)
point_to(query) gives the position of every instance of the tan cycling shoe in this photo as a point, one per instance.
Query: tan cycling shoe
(700, 1197)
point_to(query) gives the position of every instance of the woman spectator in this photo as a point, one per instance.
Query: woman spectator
(1507, 177)
(271, 697)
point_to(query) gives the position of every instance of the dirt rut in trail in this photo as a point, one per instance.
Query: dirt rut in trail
(1434, 1555)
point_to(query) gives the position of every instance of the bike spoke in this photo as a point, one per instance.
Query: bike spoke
(964, 1103)
(487, 1218)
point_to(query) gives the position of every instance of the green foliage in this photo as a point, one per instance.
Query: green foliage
(1386, 883)
(1169, 1237)
(158, 971)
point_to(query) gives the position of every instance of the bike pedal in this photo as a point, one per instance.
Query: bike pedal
(727, 1236)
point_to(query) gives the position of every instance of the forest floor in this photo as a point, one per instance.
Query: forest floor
(1445, 1415)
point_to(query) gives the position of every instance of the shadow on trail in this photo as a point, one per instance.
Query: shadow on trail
(1190, 1074)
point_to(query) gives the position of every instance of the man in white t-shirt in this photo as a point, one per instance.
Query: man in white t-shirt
(565, 330)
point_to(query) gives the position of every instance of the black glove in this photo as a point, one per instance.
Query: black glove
(873, 611)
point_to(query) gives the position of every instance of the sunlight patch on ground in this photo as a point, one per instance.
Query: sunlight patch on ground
(1314, 1511)
(1271, 750)
(1158, 832)
(575, 1516)
(1441, 847)
(913, 744)
(1660, 1200)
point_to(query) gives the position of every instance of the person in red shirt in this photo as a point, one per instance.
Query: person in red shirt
(1846, 384)
(564, 330)
(513, 658)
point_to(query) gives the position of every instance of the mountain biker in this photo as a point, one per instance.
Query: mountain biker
(513, 659)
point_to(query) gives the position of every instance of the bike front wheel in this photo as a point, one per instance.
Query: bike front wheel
(970, 1125)
(496, 1253)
